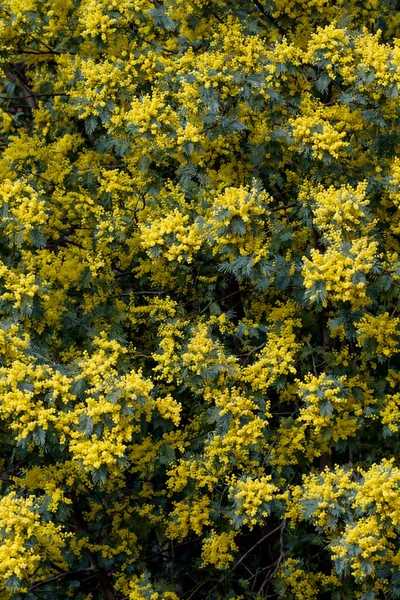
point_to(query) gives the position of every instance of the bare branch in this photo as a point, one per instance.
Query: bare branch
(241, 559)
(60, 576)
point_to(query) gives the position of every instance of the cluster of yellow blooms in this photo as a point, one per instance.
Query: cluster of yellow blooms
(331, 500)
(338, 271)
(218, 548)
(26, 540)
(277, 358)
(252, 497)
(315, 126)
(140, 587)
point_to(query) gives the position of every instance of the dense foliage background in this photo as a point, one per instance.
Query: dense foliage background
(200, 277)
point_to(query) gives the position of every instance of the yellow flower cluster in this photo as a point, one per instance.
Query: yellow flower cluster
(139, 588)
(172, 238)
(329, 46)
(390, 413)
(380, 491)
(339, 274)
(168, 354)
(278, 356)
(302, 584)
(324, 492)
(204, 353)
(329, 498)
(218, 549)
(341, 213)
(383, 330)
(239, 218)
(251, 496)
(329, 412)
(169, 409)
(26, 540)
(325, 397)
(312, 127)
(187, 517)
(370, 542)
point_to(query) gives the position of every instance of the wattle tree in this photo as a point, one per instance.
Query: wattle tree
(199, 293)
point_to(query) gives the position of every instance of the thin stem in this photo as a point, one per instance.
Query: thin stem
(241, 559)
(32, 95)
(59, 576)
(250, 352)
(142, 293)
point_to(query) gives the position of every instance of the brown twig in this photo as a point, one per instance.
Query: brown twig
(250, 352)
(142, 293)
(33, 96)
(22, 51)
(60, 576)
(103, 580)
(241, 559)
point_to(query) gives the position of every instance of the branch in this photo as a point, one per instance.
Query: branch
(73, 243)
(278, 562)
(103, 580)
(18, 76)
(21, 51)
(284, 207)
(60, 576)
(260, 541)
(259, 7)
(250, 352)
(32, 95)
(197, 587)
(270, 21)
(144, 293)
(225, 297)
(241, 559)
